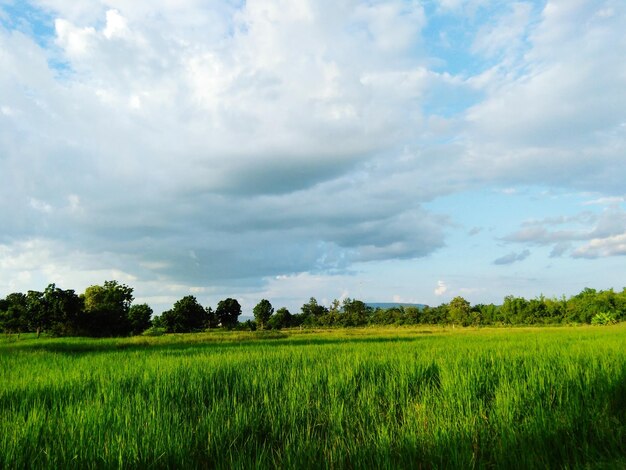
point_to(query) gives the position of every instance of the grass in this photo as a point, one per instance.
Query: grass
(361, 398)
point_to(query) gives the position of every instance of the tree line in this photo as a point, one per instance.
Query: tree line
(108, 310)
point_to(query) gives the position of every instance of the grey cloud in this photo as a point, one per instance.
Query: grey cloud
(283, 141)
(593, 235)
(601, 248)
(542, 236)
(586, 217)
(512, 258)
(559, 249)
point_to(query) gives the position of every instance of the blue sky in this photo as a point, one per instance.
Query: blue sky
(385, 150)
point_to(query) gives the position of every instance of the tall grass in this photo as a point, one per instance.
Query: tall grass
(405, 398)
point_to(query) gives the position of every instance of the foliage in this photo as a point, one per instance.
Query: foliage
(14, 313)
(154, 331)
(262, 313)
(282, 318)
(459, 311)
(228, 311)
(310, 313)
(62, 311)
(603, 319)
(213, 320)
(106, 309)
(139, 318)
(187, 315)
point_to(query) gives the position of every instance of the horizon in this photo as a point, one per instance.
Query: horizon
(390, 151)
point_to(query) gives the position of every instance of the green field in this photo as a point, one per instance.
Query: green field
(360, 398)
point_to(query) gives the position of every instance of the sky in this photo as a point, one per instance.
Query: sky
(390, 151)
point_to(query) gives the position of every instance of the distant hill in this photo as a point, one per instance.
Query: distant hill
(385, 305)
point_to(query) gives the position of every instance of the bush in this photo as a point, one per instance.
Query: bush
(154, 331)
(603, 319)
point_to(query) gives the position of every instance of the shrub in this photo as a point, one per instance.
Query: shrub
(603, 319)
(154, 331)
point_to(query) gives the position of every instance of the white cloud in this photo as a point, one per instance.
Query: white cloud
(76, 42)
(552, 115)
(605, 201)
(293, 138)
(116, 25)
(40, 206)
(602, 247)
(441, 288)
(506, 36)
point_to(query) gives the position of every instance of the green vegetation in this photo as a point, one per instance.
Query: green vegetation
(428, 397)
(108, 311)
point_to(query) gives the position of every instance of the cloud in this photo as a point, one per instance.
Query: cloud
(547, 119)
(241, 135)
(587, 234)
(606, 201)
(441, 288)
(512, 257)
(283, 138)
(506, 35)
(602, 247)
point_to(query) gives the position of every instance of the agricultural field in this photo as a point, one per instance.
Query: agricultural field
(420, 397)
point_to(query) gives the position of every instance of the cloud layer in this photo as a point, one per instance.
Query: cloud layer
(190, 144)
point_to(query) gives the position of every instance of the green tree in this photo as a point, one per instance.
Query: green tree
(139, 318)
(228, 311)
(157, 322)
(513, 310)
(262, 313)
(14, 313)
(412, 315)
(38, 317)
(459, 311)
(63, 309)
(282, 318)
(485, 313)
(354, 312)
(585, 305)
(311, 313)
(187, 315)
(212, 319)
(536, 311)
(106, 309)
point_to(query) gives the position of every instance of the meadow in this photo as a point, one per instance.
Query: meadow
(420, 397)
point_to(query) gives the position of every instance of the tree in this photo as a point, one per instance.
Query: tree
(4, 306)
(282, 318)
(412, 315)
(228, 310)
(157, 322)
(139, 318)
(585, 305)
(459, 311)
(513, 310)
(106, 309)
(187, 315)
(63, 310)
(311, 313)
(485, 313)
(355, 312)
(262, 312)
(13, 316)
(38, 317)
(212, 319)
